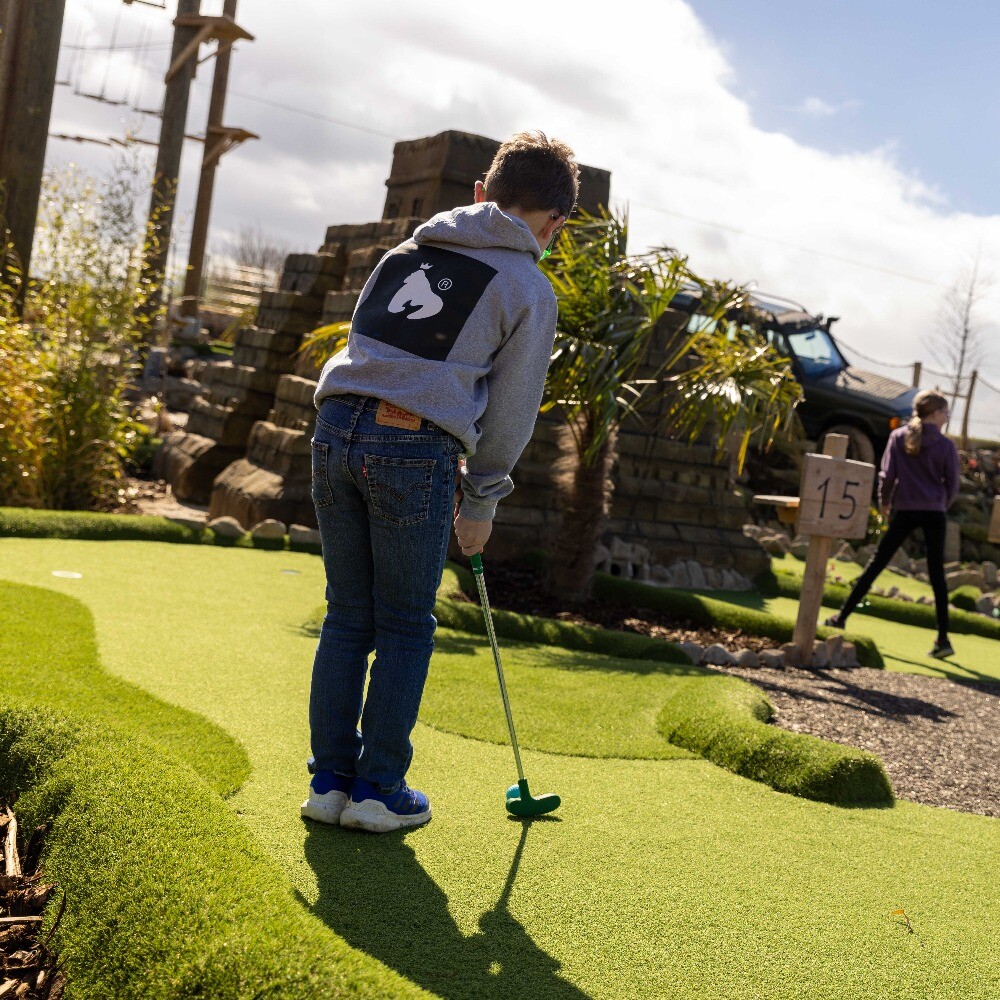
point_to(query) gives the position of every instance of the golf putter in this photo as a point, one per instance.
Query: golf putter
(520, 801)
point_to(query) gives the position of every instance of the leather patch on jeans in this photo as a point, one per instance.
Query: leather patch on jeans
(394, 416)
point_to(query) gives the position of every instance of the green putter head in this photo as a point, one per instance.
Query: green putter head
(520, 801)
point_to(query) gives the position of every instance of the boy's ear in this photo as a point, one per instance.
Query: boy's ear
(480, 194)
(551, 225)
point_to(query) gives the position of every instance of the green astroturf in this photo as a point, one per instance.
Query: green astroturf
(849, 572)
(658, 878)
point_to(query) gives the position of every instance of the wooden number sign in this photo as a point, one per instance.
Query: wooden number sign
(834, 497)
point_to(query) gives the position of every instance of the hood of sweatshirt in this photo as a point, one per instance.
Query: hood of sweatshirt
(479, 227)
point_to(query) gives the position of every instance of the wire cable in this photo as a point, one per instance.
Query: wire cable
(874, 361)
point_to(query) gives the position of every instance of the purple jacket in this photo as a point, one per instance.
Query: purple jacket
(928, 481)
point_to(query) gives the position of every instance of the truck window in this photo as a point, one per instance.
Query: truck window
(816, 352)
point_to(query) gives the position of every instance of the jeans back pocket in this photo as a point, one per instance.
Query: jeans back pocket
(400, 488)
(322, 494)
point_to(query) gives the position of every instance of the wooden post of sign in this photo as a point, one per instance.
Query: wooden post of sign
(993, 534)
(814, 576)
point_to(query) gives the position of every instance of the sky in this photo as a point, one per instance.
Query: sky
(839, 154)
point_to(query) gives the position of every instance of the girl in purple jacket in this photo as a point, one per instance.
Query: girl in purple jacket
(918, 482)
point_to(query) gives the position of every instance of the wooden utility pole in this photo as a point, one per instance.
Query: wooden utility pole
(29, 55)
(968, 406)
(918, 367)
(168, 156)
(217, 140)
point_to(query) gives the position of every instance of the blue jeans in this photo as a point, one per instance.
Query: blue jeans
(384, 499)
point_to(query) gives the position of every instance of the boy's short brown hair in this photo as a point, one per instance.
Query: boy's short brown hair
(534, 173)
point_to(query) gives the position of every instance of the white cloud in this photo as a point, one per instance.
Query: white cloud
(641, 90)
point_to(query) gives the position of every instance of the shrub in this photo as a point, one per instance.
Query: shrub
(66, 363)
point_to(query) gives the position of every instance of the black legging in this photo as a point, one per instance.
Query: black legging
(901, 525)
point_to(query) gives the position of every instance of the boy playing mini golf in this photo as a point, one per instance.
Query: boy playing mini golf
(446, 356)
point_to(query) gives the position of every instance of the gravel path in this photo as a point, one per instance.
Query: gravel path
(939, 739)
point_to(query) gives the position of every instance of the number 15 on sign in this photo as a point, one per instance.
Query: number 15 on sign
(834, 497)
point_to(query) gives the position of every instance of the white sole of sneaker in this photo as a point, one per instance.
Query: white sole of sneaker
(326, 808)
(376, 817)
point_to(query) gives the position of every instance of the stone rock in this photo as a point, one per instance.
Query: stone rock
(298, 534)
(747, 658)
(269, 530)
(696, 575)
(602, 554)
(919, 566)
(892, 592)
(791, 655)
(800, 548)
(924, 599)
(845, 553)
(772, 658)
(227, 527)
(820, 655)
(901, 561)
(718, 656)
(989, 571)
(713, 578)
(863, 554)
(775, 545)
(693, 650)
(850, 655)
(985, 604)
(964, 578)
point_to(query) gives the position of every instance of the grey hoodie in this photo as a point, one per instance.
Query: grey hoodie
(456, 325)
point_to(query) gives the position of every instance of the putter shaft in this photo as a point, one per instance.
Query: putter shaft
(477, 570)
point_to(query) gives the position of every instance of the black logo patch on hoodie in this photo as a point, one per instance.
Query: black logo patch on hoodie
(422, 298)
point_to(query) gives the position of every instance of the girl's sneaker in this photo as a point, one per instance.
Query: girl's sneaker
(835, 621)
(941, 650)
(329, 793)
(377, 812)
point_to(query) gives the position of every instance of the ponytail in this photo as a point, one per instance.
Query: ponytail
(925, 404)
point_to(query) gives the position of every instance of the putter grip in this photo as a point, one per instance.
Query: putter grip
(477, 564)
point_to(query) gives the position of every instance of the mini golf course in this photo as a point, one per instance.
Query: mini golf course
(662, 875)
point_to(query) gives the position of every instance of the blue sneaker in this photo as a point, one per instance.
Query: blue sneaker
(370, 809)
(329, 792)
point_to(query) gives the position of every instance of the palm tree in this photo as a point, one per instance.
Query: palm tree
(609, 307)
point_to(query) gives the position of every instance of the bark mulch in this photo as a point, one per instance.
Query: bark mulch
(939, 739)
(27, 968)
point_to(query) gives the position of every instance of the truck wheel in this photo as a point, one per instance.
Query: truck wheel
(859, 445)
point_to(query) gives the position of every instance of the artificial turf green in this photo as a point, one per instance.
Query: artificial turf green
(656, 878)
(20, 522)
(963, 619)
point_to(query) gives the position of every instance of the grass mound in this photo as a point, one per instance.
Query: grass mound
(725, 721)
(20, 522)
(167, 894)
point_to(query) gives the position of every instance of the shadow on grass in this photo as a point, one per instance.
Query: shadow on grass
(374, 893)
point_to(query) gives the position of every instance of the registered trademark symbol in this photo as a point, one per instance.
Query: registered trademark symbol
(444, 284)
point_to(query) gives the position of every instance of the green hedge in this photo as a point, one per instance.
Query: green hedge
(711, 613)
(965, 597)
(904, 612)
(167, 893)
(550, 632)
(22, 522)
(726, 722)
